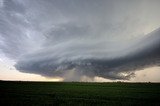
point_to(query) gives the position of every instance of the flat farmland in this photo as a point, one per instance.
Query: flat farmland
(79, 93)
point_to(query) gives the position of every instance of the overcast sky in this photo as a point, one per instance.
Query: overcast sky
(80, 40)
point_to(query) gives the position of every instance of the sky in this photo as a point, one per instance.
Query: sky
(80, 40)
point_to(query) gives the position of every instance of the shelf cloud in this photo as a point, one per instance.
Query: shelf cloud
(71, 39)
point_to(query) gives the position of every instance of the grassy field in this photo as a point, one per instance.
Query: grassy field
(77, 94)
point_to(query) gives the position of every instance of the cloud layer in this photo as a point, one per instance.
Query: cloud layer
(79, 38)
(86, 61)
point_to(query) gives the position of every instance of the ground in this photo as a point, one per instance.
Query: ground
(79, 93)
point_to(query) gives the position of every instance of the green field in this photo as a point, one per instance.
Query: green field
(77, 93)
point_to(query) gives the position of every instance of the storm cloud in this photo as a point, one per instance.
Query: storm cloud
(77, 38)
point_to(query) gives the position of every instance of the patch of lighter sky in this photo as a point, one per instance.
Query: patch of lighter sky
(151, 74)
(150, 28)
(10, 73)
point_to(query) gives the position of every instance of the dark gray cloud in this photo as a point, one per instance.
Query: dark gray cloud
(80, 38)
(48, 64)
